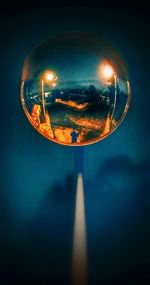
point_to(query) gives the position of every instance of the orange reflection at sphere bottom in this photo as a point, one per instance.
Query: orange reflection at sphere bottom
(65, 135)
(71, 135)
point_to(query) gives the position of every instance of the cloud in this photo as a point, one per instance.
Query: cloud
(121, 167)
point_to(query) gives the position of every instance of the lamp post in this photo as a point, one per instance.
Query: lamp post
(108, 72)
(50, 77)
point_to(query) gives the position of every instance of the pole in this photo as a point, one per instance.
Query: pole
(43, 95)
(115, 98)
(78, 159)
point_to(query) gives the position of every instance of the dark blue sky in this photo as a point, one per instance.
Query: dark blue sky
(38, 177)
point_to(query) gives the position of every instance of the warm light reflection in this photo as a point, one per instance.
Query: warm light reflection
(79, 257)
(50, 76)
(105, 71)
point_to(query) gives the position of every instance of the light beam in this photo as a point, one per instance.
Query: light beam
(79, 257)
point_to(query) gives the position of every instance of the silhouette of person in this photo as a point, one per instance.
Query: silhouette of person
(74, 136)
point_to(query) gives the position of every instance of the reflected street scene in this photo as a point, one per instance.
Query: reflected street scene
(75, 89)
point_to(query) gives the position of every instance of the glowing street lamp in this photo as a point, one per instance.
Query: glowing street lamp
(107, 73)
(51, 78)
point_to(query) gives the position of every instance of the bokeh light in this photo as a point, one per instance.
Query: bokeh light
(105, 71)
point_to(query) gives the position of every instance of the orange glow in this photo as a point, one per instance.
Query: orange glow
(105, 71)
(50, 76)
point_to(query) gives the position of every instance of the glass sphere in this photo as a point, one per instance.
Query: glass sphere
(75, 88)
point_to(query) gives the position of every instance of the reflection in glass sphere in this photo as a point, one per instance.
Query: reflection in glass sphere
(75, 89)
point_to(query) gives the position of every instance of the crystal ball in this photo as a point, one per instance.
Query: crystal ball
(75, 88)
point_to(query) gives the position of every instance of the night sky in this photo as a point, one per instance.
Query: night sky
(38, 177)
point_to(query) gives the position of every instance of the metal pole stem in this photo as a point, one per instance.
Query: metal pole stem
(115, 98)
(43, 96)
